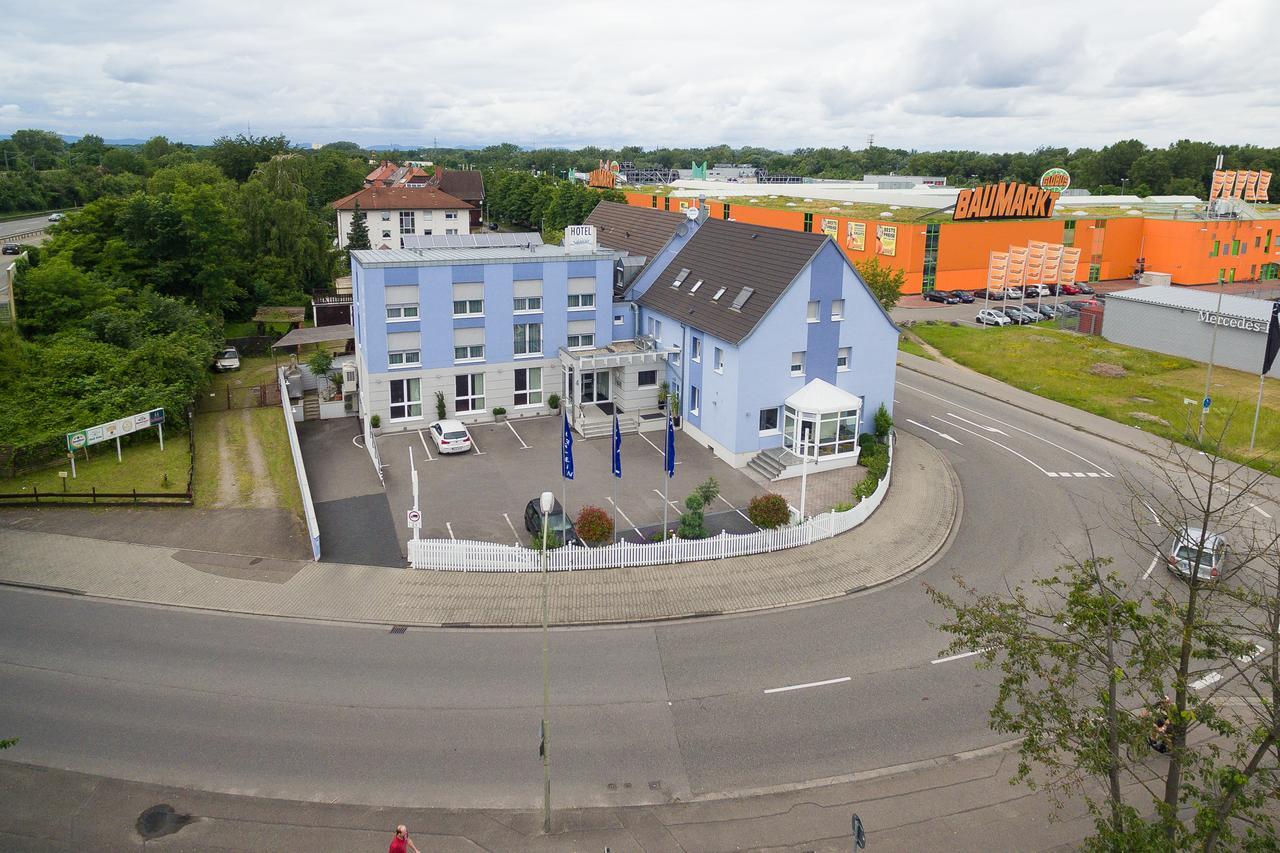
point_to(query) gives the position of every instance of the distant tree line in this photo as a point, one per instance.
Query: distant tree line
(540, 202)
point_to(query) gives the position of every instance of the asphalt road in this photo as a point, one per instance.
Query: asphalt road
(19, 226)
(640, 714)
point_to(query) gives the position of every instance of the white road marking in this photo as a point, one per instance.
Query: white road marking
(790, 687)
(656, 447)
(355, 439)
(950, 658)
(673, 503)
(1104, 471)
(1153, 513)
(934, 431)
(512, 526)
(523, 446)
(1249, 658)
(426, 446)
(979, 426)
(1094, 474)
(1201, 683)
(1078, 474)
(623, 514)
(1260, 511)
(450, 528)
(1006, 447)
(732, 507)
(474, 445)
(1151, 568)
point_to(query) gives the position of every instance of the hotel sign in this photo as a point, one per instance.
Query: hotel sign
(1215, 319)
(1004, 201)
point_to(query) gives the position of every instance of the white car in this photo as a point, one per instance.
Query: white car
(450, 436)
(1181, 556)
(1036, 290)
(227, 359)
(57, 217)
(992, 317)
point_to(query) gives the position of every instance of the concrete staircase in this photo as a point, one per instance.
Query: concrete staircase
(603, 427)
(770, 463)
(310, 405)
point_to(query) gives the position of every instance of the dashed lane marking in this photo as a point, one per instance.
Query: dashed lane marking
(623, 514)
(791, 687)
(1260, 511)
(960, 656)
(449, 527)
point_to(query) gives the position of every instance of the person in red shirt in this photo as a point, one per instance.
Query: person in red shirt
(402, 843)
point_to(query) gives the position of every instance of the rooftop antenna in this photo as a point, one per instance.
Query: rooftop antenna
(871, 140)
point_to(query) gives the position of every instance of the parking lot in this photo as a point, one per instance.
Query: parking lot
(481, 494)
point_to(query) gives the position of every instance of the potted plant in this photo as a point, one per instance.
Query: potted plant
(663, 389)
(499, 413)
(673, 400)
(441, 412)
(375, 423)
(553, 402)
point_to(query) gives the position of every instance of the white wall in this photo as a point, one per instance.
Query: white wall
(424, 221)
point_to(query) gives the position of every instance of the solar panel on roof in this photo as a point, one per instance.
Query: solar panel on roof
(471, 241)
(741, 298)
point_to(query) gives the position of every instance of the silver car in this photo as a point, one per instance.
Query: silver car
(1211, 564)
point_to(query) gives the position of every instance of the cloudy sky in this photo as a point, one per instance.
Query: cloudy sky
(928, 75)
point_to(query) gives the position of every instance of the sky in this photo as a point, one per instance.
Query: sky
(990, 76)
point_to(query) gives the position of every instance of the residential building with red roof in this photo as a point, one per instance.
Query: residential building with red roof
(394, 211)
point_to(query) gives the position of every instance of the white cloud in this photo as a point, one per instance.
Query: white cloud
(985, 74)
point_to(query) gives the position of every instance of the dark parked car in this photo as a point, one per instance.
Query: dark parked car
(940, 296)
(493, 226)
(993, 294)
(1084, 288)
(12, 249)
(1015, 315)
(557, 524)
(963, 295)
(1047, 312)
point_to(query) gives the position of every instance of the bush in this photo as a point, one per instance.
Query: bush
(883, 423)
(441, 411)
(595, 526)
(553, 402)
(842, 507)
(867, 487)
(319, 363)
(769, 511)
(375, 421)
(876, 460)
(708, 491)
(692, 521)
(553, 541)
(499, 410)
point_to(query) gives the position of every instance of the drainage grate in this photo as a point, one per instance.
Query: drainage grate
(399, 629)
(159, 821)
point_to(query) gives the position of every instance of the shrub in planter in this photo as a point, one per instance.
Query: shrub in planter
(553, 402)
(499, 412)
(375, 421)
(553, 540)
(867, 487)
(441, 411)
(692, 521)
(876, 461)
(842, 507)
(768, 511)
(883, 423)
(595, 526)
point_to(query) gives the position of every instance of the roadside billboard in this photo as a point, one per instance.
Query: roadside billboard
(887, 240)
(857, 237)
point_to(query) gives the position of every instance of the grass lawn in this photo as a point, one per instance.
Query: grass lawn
(1071, 368)
(143, 468)
(235, 427)
(254, 370)
(269, 427)
(905, 344)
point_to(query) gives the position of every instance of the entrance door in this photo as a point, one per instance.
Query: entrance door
(595, 386)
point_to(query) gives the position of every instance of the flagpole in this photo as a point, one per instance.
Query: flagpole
(1262, 377)
(666, 464)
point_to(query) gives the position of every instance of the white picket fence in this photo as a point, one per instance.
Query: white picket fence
(471, 556)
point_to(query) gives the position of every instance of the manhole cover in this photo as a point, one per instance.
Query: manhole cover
(159, 821)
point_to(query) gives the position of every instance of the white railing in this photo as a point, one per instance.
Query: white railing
(308, 508)
(473, 556)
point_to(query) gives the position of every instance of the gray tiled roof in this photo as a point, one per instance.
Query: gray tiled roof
(732, 255)
(635, 230)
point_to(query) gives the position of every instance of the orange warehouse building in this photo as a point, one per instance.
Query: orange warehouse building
(954, 255)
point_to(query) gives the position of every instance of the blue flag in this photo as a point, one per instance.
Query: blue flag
(670, 461)
(617, 448)
(566, 452)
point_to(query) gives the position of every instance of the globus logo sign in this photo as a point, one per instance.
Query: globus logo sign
(1055, 180)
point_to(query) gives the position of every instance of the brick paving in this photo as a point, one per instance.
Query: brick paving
(910, 527)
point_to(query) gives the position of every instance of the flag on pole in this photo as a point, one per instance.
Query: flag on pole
(1273, 339)
(670, 460)
(617, 448)
(566, 452)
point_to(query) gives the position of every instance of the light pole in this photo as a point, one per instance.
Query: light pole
(546, 503)
(1213, 344)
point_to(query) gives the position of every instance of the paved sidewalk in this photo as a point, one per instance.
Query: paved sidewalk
(960, 805)
(908, 529)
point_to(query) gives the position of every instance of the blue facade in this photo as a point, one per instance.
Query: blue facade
(756, 374)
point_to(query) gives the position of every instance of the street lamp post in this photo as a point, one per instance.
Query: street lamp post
(1213, 345)
(546, 503)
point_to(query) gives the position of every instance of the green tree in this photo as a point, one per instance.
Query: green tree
(358, 235)
(238, 156)
(692, 521)
(56, 295)
(38, 149)
(89, 149)
(884, 282)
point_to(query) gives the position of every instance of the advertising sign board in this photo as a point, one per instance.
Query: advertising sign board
(887, 240)
(1055, 180)
(1004, 201)
(857, 237)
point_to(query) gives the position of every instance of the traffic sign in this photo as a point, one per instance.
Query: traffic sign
(1208, 401)
(415, 518)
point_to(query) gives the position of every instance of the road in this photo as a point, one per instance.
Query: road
(20, 226)
(641, 714)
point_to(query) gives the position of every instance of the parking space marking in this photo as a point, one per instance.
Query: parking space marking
(475, 446)
(450, 528)
(934, 431)
(1260, 511)
(734, 508)
(791, 687)
(513, 528)
(426, 446)
(1151, 568)
(656, 447)
(673, 503)
(523, 446)
(355, 439)
(1155, 517)
(623, 514)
